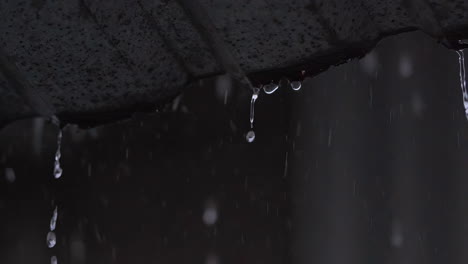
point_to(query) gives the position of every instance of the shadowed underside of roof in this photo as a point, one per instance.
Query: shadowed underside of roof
(94, 61)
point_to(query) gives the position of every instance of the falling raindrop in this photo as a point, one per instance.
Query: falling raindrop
(461, 61)
(223, 88)
(250, 137)
(212, 259)
(53, 220)
(296, 86)
(210, 216)
(270, 88)
(417, 104)
(406, 66)
(51, 239)
(210, 213)
(53, 260)
(369, 63)
(38, 131)
(10, 175)
(396, 237)
(57, 168)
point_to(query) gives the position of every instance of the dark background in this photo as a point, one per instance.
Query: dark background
(367, 163)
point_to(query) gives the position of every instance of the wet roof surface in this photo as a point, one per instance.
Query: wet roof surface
(89, 60)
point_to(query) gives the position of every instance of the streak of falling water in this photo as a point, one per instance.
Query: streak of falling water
(57, 168)
(53, 220)
(51, 237)
(255, 92)
(250, 137)
(461, 61)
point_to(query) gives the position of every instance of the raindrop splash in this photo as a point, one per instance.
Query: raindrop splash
(270, 88)
(51, 239)
(461, 61)
(53, 220)
(57, 168)
(296, 86)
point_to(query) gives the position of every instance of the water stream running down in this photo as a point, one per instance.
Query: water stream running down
(57, 168)
(51, 237)
(250, 137)
(461, 61)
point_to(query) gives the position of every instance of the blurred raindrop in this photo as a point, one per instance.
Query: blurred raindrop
(396, 238)
(210, 213)
(212, 259)
(10, 175)
(78, 250)
(405, 66)
(176, 103)
(223, 88)
(417, 104)
(370, 63)
(38, 131)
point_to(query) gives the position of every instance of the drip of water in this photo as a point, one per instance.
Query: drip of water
(296, 86)
(53, 220)
(255, 92)
(53, 260)
(270, 88)
(250, 137)
(57, 169)
(51, 239)
(461, 61)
